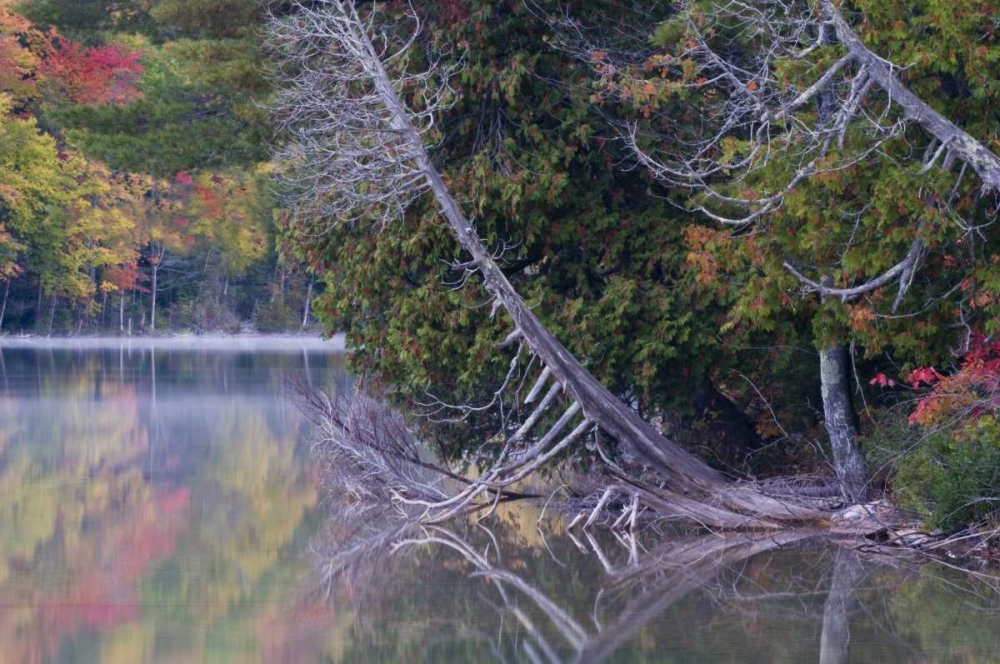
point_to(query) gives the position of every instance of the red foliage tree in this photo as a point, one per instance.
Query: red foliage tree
(967, 394)
(94, 76)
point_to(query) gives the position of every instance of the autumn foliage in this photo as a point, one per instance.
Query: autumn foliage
(965, 396)
(101, 75)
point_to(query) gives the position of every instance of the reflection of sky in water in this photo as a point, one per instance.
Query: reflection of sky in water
(158, 505)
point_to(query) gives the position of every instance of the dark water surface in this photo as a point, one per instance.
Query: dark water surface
(159, 505)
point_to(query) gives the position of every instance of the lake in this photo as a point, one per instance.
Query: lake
(158, 504)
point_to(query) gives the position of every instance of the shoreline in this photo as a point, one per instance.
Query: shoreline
(230, 342)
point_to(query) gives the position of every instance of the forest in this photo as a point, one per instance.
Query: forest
(749, 246)
(134, 172)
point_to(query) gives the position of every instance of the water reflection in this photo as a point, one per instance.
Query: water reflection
(517, 592)
(154, 505)
(160, 505)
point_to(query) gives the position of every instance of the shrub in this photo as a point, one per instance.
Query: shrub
(276, 316)
(953, 477)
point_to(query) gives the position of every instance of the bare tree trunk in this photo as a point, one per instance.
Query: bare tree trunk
(3, 308)
(152, 308)
(305, 315)
(52, 310)
(839, 419)
(121, 312)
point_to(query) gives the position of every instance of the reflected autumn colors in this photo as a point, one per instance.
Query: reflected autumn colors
(161, 506)
(153, 505)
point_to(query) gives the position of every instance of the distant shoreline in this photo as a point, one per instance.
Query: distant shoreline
(233, 342)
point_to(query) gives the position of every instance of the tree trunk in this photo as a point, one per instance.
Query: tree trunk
(3, 308)
(152, 308)
(121, 312)
(52, 311)
(839, 419)
(305, 315)
(38, 306)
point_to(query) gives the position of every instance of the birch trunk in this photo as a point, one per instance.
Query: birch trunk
(152, 308)
(309, 295)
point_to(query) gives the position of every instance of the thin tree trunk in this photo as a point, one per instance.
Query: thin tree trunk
(52, 311)
(121, 312)
(305, 315)
(3, 308)
(839, 419)
(152, 309)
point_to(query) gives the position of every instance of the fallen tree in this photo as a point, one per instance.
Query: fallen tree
(356, 120)
(356, 148)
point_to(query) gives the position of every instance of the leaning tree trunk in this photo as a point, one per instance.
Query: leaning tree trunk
(697, 490)
(353, 104)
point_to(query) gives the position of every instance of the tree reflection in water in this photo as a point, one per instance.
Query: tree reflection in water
(521, 591)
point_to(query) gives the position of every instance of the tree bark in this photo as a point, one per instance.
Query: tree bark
(958, 141)
(839, 419)
(121, 311)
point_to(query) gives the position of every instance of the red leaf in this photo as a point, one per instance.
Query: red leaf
(925, 375)
(882, 380)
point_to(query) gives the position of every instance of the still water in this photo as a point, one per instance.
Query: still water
(158, 504)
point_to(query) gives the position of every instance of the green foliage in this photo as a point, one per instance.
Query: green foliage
(179, 123)
(278, 315)
(136, 151)
(950, 477)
